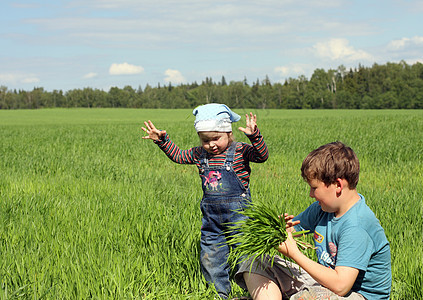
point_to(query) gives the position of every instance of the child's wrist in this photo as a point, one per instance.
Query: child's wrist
(254, 134)
(160, 140)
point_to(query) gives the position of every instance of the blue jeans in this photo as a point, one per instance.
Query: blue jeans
(224, 195)
(214, 250)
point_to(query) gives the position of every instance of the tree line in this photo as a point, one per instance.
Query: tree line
(389, 86)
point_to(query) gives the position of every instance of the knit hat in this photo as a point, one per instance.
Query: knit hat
(214, 117)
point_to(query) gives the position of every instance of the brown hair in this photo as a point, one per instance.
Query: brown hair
(331, 161)
(231, 137)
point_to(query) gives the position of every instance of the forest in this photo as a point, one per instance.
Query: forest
(388, 86)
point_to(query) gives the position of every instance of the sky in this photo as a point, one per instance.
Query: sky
(75, 44)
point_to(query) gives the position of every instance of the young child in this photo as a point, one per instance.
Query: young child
(353, 253)
(224, 168)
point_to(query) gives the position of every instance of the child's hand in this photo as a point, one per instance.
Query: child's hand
(153, 133)
(289, 248)
(251, 125)
(289, 223)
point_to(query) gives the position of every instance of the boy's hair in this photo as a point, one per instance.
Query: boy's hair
(332, 161)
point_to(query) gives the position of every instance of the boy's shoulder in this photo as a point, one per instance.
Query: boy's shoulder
(359, 213)
(360, 218)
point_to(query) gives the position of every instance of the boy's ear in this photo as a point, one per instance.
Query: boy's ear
(340, 184)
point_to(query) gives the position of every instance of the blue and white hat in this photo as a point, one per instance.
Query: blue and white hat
(214, 117)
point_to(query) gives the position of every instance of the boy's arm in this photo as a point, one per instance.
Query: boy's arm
(339, 280)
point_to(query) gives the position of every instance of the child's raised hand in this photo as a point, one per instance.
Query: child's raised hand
(153, 133)
(251, 124)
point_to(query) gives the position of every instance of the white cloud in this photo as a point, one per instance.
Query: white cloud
(174, 76)
(414, 61)
(90, 75)
(18, 78)
(8, 78)
(339, 49)
(293, 71)
(30, 80)
(125, 69)
(227, 24)
(235, 38)
(282, 70)
(290, 70)
(405, 42)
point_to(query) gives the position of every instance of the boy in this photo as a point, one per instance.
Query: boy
(352, 250)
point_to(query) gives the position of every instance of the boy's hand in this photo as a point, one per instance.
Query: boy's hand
(289, 223)
(251, 124)
(153, 133)
(289, 248)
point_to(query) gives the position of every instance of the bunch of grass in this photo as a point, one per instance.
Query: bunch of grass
(259, 234)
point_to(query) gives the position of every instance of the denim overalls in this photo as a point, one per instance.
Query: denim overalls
(224, 194)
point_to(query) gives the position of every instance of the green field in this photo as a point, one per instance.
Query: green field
(90, 210)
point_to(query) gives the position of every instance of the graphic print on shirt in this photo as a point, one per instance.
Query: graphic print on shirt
(333, 250)
(325, 257)
(321, 251)
(318, 237)
(212, 180)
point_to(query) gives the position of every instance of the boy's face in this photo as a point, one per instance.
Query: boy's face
(325, 195)
(214, 142)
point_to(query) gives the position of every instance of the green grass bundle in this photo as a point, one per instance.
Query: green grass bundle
(259, 234)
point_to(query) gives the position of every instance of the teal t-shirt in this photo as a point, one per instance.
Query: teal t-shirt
(355, 240)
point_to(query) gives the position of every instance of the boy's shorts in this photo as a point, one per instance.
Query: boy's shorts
(295, 284)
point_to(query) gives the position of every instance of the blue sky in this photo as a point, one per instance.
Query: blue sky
(63, 45)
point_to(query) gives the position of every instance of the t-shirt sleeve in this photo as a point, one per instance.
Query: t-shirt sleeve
(355, 248)
(308, 218)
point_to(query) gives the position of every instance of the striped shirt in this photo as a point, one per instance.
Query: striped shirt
(244, 154)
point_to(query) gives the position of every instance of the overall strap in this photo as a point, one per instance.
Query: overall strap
(204, 162)
(230, 154)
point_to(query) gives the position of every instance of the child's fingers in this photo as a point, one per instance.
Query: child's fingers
(150, 125)
(253, 118)
(146, 131)
(288, 217)
(291, 224)
(147, 125)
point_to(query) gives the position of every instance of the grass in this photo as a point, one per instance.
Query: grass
(260, 234)
(89, 210)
